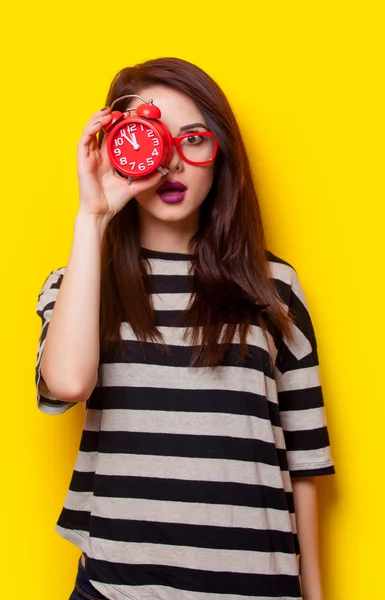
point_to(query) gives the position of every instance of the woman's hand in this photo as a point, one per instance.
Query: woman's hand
(102, 191)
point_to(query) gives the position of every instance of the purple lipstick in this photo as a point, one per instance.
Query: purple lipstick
(171, 191)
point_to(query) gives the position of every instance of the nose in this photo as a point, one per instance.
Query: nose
(176, 162)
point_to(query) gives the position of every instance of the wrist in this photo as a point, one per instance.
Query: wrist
(93, 220)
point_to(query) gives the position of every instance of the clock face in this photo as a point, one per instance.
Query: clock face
(135, 147)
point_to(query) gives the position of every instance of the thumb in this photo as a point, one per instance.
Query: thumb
(148, 181)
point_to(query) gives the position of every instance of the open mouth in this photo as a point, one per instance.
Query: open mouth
(171, 186)
(172, 191)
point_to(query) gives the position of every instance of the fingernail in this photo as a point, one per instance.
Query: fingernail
(105, 108)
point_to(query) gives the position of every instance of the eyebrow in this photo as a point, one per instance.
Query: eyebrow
(186, 127)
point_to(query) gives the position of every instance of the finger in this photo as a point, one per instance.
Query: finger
(88, 143)
(106, 164)
(91, 129)
(143, 183)
(101, 116)
(99, 119)
(101, 112)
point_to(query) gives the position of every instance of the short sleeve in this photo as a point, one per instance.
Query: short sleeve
(46, 402)
(300, 394)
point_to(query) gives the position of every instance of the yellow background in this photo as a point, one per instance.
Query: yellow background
(305, 82)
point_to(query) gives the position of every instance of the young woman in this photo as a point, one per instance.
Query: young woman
(192, 346)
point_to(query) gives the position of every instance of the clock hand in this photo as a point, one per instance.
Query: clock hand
(133, 136)
(123, 134)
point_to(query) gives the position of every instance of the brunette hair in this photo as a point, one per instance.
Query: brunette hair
(231, 286)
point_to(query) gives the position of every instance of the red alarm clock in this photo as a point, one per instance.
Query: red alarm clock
(140, 143)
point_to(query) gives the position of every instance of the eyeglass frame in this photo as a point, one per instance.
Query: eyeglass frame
(177, 141)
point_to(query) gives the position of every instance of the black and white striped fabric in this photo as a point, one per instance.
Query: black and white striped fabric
(182, 485)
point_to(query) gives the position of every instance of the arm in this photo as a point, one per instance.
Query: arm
(303, 418)
(305, 502)
(71, 353)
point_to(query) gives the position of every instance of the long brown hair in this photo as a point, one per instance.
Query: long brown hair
(231, 286)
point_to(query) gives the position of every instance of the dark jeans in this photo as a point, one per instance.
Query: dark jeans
(83, 589)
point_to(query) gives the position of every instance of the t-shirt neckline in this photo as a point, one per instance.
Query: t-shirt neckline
(149, 253)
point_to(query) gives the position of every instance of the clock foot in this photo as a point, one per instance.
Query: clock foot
(161, 171)
(129, 179)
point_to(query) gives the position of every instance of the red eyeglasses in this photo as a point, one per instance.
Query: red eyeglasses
(196, 147)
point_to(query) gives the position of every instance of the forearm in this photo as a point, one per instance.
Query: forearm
(71, 353)
(305, 502)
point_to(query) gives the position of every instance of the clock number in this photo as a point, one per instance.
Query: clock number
(150, 162)
(117, 151)
(141, 126)
(123, 160)
(133, 165)
(119, 141)
(150, 133)
(141, 167)
(155, 152)
(132, 127)
(156, 141)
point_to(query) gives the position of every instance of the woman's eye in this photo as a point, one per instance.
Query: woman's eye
(193, 139)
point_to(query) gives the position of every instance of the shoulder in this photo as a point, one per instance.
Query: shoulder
(53, 278)
(280, 268)
(274, 258)
(284, 275)
(291, 292)
(50, 286)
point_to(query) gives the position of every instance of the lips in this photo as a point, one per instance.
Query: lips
(171, 186)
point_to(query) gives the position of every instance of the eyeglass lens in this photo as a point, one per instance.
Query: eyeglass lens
(197, 148)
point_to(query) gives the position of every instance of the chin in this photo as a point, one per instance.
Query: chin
(172, 213)
(168, 212)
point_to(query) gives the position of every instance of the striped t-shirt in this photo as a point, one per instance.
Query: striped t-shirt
(182, 485)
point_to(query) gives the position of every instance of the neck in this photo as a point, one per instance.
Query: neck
(166, 236)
